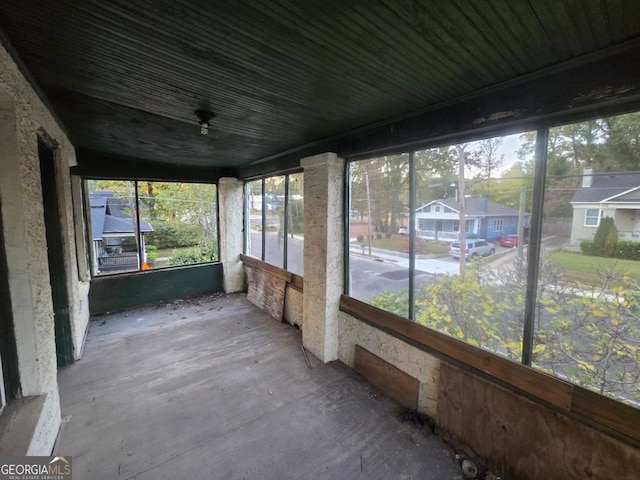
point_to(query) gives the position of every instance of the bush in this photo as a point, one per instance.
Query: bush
(387, 235)
(360, 238)
(628, 250)
(165, 235)
(587, 248)
(152, 253)
(198, 254)
(605, 240)
(378, 236)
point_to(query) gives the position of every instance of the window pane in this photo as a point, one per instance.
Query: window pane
(274, 231)
(295, 225)
(178, 223)
(113, 226)
(474, 291)
(378, 243)
(254, 208)
(588, 315)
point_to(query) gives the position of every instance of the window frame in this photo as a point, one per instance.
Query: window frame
(533, 222)
(89, 237)
(597, 216)
(286, 217)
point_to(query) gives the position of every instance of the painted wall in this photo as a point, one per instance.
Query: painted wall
(130, 290)
(578, 231)
(22, 117)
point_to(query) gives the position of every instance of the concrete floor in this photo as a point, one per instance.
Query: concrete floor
(212, 388)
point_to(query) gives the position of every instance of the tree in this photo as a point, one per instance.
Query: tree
(485, 156)
(388, 193)
(605, 241)
(589, 335)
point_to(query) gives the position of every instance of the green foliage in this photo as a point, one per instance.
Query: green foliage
(611, 243)
(360, 238)
(587, 247)
(296, 216)
(628, 250)
(605, 240)
(395, 302)
(378, 236)
(586, 334)
(152, 253)
(198, 254)
(165, 235)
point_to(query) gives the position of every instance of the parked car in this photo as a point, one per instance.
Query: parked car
(511, 240)
(403, 231)
(474, 249)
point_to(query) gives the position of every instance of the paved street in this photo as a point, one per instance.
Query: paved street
(372, 275)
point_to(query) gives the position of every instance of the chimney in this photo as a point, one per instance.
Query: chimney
(587, 177)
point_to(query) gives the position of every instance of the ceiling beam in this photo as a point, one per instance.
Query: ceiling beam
(104, 166)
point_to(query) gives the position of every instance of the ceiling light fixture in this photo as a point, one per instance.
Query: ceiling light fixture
(205, 116)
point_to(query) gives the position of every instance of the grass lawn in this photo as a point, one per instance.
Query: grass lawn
(582, 268)
(400, 243)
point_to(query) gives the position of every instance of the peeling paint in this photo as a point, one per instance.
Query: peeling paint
(494, 117)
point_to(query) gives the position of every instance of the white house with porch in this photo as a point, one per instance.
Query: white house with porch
(615, 195)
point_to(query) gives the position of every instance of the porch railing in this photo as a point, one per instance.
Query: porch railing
(431, 235)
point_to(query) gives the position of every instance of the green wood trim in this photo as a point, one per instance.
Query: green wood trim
(118, 292)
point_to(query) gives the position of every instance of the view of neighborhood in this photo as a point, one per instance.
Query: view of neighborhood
(586, 316)
(148, 225)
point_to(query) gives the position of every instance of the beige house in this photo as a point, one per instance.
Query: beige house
(615, 195)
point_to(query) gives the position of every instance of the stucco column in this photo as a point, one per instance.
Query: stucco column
(323, 253)
(230, 193)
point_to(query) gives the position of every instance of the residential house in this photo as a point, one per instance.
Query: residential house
(615, 195)
(113, 234)
(440, 219)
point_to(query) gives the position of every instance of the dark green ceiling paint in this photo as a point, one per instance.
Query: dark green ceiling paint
(283, 75)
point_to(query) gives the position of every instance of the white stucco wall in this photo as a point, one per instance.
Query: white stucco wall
(231, 198)
(405, 357)
(22, 117)
(323, 253)
(293, 306)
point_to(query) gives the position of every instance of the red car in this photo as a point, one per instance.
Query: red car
(511, 240)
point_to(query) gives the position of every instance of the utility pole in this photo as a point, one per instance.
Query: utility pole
(462, 230)
(366, 180)
(523, 196)
(133, 212)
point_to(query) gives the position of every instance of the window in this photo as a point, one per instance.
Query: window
(378, 253)
(468, 226)
(579, 321)
(591, 217)
(481, 305)
(275, 214)
(142, 225)
(586, 326)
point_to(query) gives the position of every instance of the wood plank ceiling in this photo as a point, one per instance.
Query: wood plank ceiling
(125, 77)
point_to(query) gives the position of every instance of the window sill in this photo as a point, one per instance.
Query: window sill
(18, 424)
